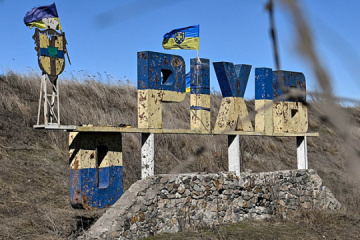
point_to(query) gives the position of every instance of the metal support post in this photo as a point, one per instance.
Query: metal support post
(58, 101)
(147, 154)
(302, 159)
(50, 101)
(46, 116)
(234, 153)
(41, 96)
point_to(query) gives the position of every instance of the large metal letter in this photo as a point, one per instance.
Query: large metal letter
(161, 78)
(290, 114)
(96, 172)
(276, 112)
(200, 95)
(233, 113)
(264, 101)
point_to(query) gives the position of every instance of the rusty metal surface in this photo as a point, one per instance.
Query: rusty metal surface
(264, 120)
(263, 84)
(200, 76)
(276, 110)
(51, 49)
(233, 115)
(160, 71)
(161, 78)
(150, 106)
(272, 84)
(290, 117)
(286, 80)
(200, 94)
(232, 78)
(96, 179)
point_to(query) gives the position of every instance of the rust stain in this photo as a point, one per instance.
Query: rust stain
(85, 202)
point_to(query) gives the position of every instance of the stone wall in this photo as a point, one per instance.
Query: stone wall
(172, 203)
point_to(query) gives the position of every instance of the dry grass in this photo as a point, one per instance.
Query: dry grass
(34, 177)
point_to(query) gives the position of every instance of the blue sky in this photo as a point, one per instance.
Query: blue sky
(104, 36)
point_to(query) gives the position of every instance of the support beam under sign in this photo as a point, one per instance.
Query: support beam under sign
(147, 154)
(234, 153)
(302, 159)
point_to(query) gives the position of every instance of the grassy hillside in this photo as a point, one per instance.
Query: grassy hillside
(34, 173)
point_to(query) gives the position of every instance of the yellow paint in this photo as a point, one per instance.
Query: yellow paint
(45, 61)
(290, 117)
(84, 145)
(200, 119)
(264, 116)
(119, 130)
(44, 41)
(59, 65)
(233, 115)
(150, 106)
(59, 43)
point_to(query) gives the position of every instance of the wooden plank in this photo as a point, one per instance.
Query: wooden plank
(184, 131)
(264, 134)
(137, 130)
(55, 127)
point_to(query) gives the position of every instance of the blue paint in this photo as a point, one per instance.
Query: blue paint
(263, 83)
(283, 80)
(270, 84)
(160, 71)
(232, 78)
(84, 189)
(199, 108)
(45, 52)
(104, 177)
(200, 76)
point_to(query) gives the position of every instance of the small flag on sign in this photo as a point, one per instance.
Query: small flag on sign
(182, 38)
(39, 16)
(188, 82)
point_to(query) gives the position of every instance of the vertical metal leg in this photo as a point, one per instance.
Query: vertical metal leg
(234, 153)
(52, 102)
(147, 154)
(302, 159)
(58, 101)
(40, 99)
(49, 101)
(46, 114)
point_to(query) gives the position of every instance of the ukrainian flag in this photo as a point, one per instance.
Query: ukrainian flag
(182, 38)
(188, 81)
(33, 18)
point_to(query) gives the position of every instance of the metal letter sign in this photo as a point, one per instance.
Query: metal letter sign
(96, 158)
(96, 172)
(275, 114)
(200, 94)
(161, 78)
(233, 113)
